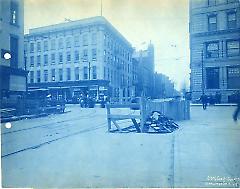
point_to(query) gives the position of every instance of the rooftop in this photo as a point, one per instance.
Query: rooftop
(74, 25)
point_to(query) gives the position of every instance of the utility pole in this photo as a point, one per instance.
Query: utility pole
(203, 86)
(101, 7)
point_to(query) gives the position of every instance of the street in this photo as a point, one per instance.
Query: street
(74, 149)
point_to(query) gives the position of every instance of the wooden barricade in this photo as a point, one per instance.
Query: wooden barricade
(174, 108)
(113, 118)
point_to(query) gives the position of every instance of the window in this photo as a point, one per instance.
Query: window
(60, 73)
(108, 74)
(212, 50)
(60, 43)
(31, 47)
(94, 38)
(25, 60)
(76, 56)
(31, 76)
(53, 74)
(94, 72)
(25, 47)
(38, 46)
(45, 45)
(94, 54)
(45, 60)
(85, 72)
(76, 73)
(104, 72)
(76, 41)
(68, 73)
(111, 76)
(233, 77)
(38, 60)
(233, 48)
(45, 75)
(14, 9)
(211, 2)
(212, 78)
(68, 56)
(212, 23)
(31, 61)
(105, 39)
(53, 58)
(38, 76)
(53, 44)
(104, 54)
(85, 55)
(60, 55)
(232, 1)
(68, 42)
(231, 20)
(85, 39)
(14, 51)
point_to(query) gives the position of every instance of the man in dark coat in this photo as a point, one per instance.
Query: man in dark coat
(236, 112)
(204, 100)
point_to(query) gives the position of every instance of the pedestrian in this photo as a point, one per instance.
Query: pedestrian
(218, 97)
(204, 99)
(236, 112)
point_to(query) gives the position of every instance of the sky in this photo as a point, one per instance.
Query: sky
(163, 22)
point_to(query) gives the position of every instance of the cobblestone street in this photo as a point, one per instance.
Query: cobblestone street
(75, 150)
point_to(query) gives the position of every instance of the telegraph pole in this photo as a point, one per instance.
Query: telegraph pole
(101, 7)
(203, 86)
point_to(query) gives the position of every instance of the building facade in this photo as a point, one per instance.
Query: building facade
(145, 71)
(12, 67)
(163, 87)
(85, 56)
(214, 47)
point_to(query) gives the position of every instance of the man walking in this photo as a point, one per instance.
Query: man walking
(204, 101)
(236, 112)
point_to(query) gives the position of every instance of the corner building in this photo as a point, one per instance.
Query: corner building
(12, 70)
(214, 47)
(86, 56)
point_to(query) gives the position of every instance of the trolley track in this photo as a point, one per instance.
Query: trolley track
(89, 115)
(101, 125)
(55, 128)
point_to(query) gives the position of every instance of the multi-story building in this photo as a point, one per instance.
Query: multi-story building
(12, 67)
(214, 45)
(145, 71)
(84, 56)
(163, 86)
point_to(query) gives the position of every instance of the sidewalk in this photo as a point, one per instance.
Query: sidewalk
(207, 149)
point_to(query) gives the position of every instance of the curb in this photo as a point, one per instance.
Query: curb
(215, 105)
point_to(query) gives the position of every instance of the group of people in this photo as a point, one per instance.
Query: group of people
(87, 101)
(205, 99)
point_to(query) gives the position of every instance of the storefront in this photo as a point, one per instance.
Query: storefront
(72, 90)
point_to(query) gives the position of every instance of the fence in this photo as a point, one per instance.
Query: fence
(177, 109)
